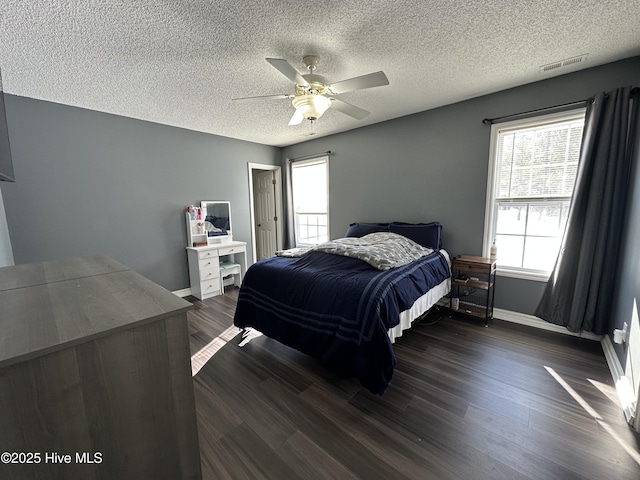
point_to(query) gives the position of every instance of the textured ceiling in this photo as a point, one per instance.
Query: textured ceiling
(181, 62)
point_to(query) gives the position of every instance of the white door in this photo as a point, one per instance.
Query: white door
(264, 199)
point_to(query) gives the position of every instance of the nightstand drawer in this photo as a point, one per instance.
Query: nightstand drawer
(471, 267)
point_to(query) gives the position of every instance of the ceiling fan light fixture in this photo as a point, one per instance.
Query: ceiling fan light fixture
(313, 94)
(312, 106)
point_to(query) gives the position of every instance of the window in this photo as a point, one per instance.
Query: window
(310, 188)
(532, 170)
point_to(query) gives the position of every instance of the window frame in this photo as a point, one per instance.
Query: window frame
(320, 159)
(490, 222)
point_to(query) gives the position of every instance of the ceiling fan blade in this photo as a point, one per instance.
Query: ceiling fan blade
(351, 110)
(265, 97)
(288, 71)
(376, 79)
(297, 118)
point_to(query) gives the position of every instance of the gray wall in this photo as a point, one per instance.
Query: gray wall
(627, 299)
(90, 182)
(433, 165)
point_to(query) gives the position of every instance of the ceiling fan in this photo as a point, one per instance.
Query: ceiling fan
(314, 95)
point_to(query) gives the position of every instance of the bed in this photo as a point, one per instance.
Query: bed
(343, 309)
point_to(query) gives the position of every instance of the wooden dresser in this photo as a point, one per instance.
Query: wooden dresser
(95, 374)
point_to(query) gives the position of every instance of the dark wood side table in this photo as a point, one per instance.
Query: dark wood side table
(473, 287)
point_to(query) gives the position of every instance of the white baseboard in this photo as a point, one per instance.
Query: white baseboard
(531, 321)
(185, 292)
(613, 361)
(623, 386)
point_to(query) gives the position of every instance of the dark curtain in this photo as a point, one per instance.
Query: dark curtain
(288, 226)
(579, 292)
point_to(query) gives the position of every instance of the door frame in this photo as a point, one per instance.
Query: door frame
(277, 169)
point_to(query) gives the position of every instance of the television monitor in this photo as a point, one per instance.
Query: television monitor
(6, 164)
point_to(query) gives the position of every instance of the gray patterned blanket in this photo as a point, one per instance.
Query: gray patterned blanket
(381, 250)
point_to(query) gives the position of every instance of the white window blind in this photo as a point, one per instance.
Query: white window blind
(538, 161)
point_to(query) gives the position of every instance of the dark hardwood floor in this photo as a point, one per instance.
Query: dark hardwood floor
(465, 402)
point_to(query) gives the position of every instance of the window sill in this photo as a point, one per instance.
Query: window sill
(535, 276)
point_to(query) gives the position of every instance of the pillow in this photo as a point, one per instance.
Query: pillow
(362, 229)
(425, 234)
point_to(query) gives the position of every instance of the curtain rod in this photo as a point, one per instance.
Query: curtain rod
(489, 121)
(305, 157)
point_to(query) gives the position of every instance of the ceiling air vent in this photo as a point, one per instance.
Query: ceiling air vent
(564, 63)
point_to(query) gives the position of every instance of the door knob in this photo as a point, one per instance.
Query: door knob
(259, 225)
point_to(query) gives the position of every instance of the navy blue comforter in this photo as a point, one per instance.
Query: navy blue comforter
(337, 309)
